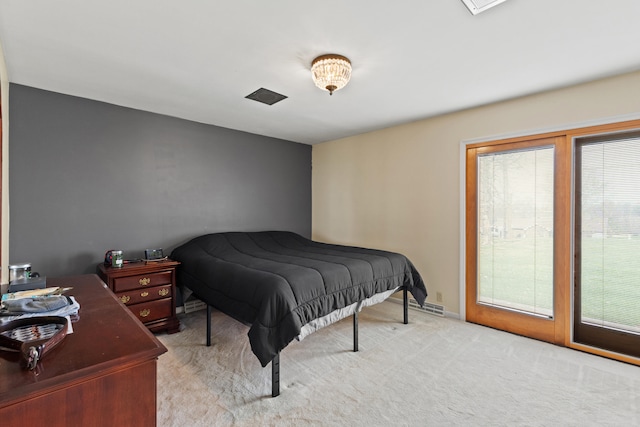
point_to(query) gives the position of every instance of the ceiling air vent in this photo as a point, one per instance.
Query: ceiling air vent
(477, 6)
(266, 96)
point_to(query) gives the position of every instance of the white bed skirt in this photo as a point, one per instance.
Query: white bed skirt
(341, 313)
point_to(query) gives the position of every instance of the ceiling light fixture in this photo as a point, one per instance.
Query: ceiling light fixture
(331, 72)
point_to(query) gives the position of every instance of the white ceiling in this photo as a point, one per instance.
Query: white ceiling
(412, 59)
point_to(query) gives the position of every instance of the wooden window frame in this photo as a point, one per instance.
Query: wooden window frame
(564, 210)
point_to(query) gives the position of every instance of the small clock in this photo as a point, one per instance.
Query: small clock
(153, 254)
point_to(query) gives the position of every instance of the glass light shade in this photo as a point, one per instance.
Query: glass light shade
(331, 72)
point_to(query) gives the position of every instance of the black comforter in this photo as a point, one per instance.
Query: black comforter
(278, 281)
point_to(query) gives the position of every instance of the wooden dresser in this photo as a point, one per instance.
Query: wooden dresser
(148, 289)
(103, 374)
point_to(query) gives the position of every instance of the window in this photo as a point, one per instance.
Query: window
(515, 242)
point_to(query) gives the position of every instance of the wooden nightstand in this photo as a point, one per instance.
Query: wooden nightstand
(148, 289)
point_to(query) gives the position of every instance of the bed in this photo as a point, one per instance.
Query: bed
(286, 286)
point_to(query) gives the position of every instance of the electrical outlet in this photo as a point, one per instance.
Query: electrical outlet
(439, 296)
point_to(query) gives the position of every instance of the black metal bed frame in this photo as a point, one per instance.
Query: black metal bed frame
(275, 362)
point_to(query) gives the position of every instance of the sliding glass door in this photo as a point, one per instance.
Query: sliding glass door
(607, 242)
(511, 195)
(553, 237)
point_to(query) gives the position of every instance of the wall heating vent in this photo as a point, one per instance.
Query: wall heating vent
(428, 307)
(193, 304)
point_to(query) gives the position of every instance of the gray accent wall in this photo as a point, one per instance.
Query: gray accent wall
(87, 176)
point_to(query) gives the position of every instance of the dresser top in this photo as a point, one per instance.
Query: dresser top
(106, 337)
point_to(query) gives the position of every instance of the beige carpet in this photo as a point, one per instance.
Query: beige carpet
(434, 371)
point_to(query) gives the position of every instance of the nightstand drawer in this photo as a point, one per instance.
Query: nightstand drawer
(152, 310)
(148, 289)
(136, 296)
(121, 284)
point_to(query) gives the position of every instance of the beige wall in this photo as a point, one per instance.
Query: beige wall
(399, 188)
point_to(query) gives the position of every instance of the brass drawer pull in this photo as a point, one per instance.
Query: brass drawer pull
(144, 294)
(125, 299)
(145, 312)
(163, 292)
(144, 281)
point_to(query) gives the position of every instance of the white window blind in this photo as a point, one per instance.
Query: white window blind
(515, 230)
(610, 233)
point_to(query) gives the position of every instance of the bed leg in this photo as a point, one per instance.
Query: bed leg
(208, 325)
(275, 376)
(355, 331)
(405, 298)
